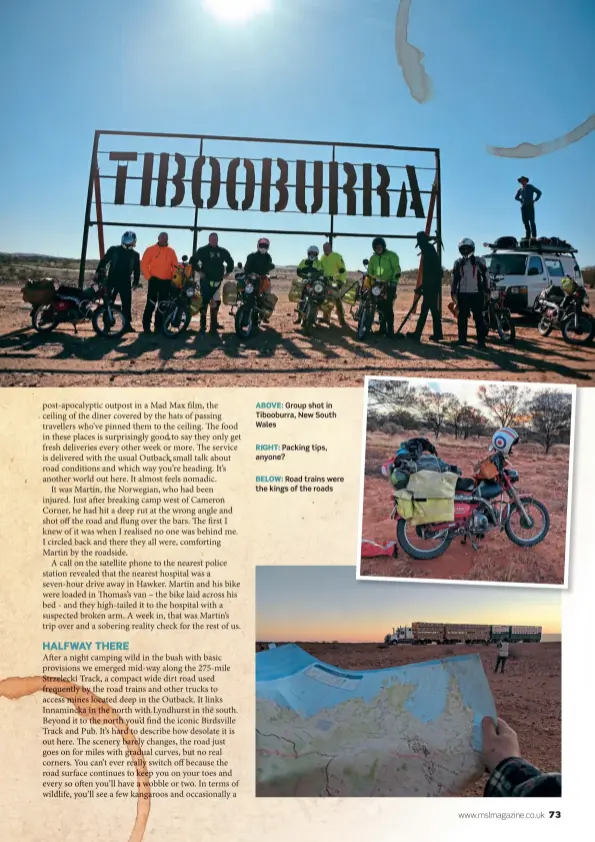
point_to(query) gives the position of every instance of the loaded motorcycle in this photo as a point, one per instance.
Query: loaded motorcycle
(74, 305)
(253, 302)
(481, 506)
(177, 310)
(563, 307)
(496, 314)
(373, 293)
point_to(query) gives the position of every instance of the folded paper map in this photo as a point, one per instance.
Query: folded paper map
(413, 730)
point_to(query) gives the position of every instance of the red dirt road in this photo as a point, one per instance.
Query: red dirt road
(527, 695)
(497, 559)
(278, 356)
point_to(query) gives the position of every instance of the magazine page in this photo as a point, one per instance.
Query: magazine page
(296, 396)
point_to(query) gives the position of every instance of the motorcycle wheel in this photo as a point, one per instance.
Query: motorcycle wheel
(310, 314)
(176, 321)
(585, 333)
(528, 502)
(364, 322)
(414, 552)
(244, 322)
(44, 318)
(545, 326)
(101, 323)
(505, 327)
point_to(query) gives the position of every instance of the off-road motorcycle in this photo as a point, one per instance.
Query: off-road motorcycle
(557, 308)
(71, 304)
(177, 310)
(480, 507)
(496, 314)
(252, 307)
(373, 292)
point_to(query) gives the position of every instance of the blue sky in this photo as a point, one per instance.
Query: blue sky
(327, 603)
(503, 73)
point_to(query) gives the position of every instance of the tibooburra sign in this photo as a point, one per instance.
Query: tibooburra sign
(209, 186)
(227, 184)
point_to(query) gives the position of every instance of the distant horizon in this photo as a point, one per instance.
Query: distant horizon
(545, 638)
(327, 603)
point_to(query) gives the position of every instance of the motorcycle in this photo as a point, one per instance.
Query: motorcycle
(251, 303)
(313, 297)
(373, 292)
(496, 315)
(74, 305)
(177, 311)
(557, 308)
(480, 507)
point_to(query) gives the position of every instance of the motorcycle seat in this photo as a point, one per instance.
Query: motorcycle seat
(489, 490)
(464, 484)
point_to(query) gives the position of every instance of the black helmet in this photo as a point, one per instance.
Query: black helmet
(378, 241)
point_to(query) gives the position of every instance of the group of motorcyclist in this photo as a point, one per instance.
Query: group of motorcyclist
(213, 264)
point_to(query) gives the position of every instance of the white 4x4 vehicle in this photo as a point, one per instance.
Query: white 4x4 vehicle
(525, 271)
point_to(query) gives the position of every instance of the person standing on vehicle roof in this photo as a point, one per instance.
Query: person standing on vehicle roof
(260, 262)
(384, 264)
(124, 264)
(333, 266)
(468, 290)
(214, 264)
(431, 282)
(159, 265)
(527, 195)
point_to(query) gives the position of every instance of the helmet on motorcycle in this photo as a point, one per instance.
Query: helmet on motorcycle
(504, 440)
(263, 245)
(128, 239)
(466, 247)
(313, 252)
(378, 241)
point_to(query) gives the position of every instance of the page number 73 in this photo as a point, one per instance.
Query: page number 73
(555, 814)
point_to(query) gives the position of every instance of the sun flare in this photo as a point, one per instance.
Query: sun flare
(236, 11)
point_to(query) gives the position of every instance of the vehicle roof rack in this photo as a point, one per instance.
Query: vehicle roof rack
(538, 248)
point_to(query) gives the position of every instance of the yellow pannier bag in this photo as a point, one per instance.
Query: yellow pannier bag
(428, 498)
(350, 295)
(181, 272)
(296, 290)
(426, 484)
(432, 511)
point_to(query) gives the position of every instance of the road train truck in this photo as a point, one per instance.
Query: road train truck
(419, 633)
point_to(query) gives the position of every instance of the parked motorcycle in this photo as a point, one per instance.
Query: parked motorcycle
(373, 292)
(313, 297)
(480, 507)
(563, 307)
(177, 311)
(74, 305)
(496, 315)
(254, 303)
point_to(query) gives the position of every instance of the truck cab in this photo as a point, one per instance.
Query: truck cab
(401, 634)
(524, 271)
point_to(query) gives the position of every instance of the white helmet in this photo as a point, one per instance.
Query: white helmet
(466, 247)
(313, 252)
(504, 440)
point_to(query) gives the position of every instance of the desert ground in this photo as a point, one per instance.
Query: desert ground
(527, 694)
(497, 559)
(280, 355)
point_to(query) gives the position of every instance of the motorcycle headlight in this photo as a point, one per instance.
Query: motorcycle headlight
(249, 288)
(494, 295)
(190, 291)
(376, 290)
(586, 301)
(318, 288)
